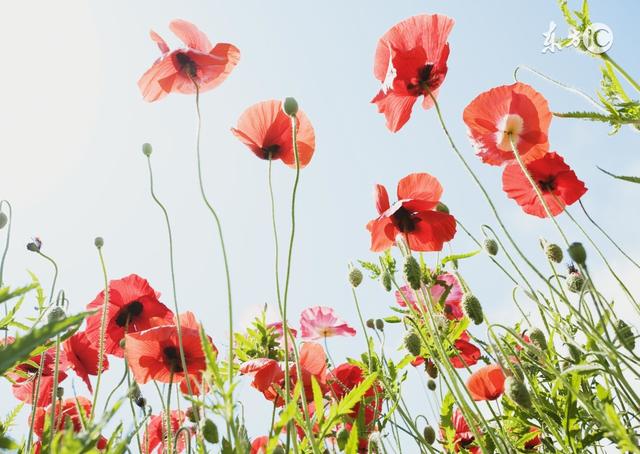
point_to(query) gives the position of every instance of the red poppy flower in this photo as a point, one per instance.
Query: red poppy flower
(82, 357)
(446, 285)
(266, 372)
(267, 131)
(24, 377)
(259, 445)
(411, 61)
(558, 183)
(467, 353)
(347, 376)
(464, 437)
(198, 63)
(510, 112)
(535, 441)
(156, 435)
(133, 306)
(154, 354)
(487, 383)
(66, 412)
(413, 216)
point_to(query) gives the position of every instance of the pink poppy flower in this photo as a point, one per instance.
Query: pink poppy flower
(320, 321)
(444, 282)
(179, 71)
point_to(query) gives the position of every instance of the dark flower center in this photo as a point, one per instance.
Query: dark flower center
(422, 81)
(186, 64)
(128, 312)
(172, 357)
(547, 185)
(403, 220)
(424, 74)
(271, 151)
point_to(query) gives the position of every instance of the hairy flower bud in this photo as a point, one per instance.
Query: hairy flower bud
(342, 437)
(517, 392)
(575, 282)
(385, 280)
(210, 431)
(625, 335)
(3, 220)
(431, 369)
(412, 272)
(431, 384)
(99, 242)
(59, 392)
(442, 208)
(370, 323)
(35, 245)
(472, 308)
(278, 450)
(491, 246)
(538, 338)
(429, 435)
(290, 106)
(134, 391)
(141, 402)
(147, 149)
(441, 323)
(554, 252)
(379, 324)
(577, 253)
(56, 314)
(355, 277)
(412, 343)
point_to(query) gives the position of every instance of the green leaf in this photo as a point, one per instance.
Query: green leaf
(456, 257)
(352, 442)
(354, 396)
(6, 294)
(22, 348)
(317, 399)
(621, 177)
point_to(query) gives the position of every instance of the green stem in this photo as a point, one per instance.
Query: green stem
(103, 331)
(4, 257)
(621, 70)
(54, 392)
(168, 414)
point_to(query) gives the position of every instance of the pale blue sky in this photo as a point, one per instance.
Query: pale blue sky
(72, 122)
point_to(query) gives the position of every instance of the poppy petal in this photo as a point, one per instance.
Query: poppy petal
(422, 187)
(190, 35)
(432, 231)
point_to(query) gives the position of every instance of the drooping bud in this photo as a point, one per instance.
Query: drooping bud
(575, 282)
(538, 338)
(385, 280)
(491, 246)
(147, 149)
(290, 106)
(412, 343)
(472, 308)
(554, 252)
(35, 245)
(59, 392)
(56, 314)
(577, 253)
(99, 242)
(442, 208)
(3, 220)
(429, 435)
(625, 335)
(412, 272)
(342, 437)
(431, 384)
(379, 324)
(210, 431)
(134, 391)
(141, 402)
(517, 392)
(431, 369)
(370, 323)
(355, 277)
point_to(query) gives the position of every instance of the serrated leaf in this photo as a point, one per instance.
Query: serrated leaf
(352, 443)
(353, 397)
(630, 179)
(456, 257)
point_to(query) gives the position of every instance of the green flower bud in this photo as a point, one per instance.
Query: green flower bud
(56, 314)
(370, 323)
(59, 392)
(375, 444)
(429, 435)
(99, 242)
(290, 106)
(210, 431)
(577, 253)
(538, 338)
(554, 252)
(412, 272)
(34, 246)
(122, 342)
(278, 450)
(625, 335)
(575, 282)
(576, 354)
(431, 369)
(442, 208)
(517, 392)
(440, 322)
(141, 402)
(192, 414)
(3, 220)
(472, 308)
(412, 343)
(355, 277)
(385, 280)
(491, 246)
(342, 437)
(431, 385)
(134, 391)
(147, 149)
(379, 324)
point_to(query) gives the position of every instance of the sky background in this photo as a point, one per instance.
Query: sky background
(72, 122)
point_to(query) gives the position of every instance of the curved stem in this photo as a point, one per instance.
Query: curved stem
(4, 257)
(54, 392)
(103, 331)
(55, 274)
(621, 70)
(115, 388)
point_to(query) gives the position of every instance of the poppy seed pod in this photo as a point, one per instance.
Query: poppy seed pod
(412, 343)
(147, 149)
(517, 392)
(577, 253)
(290, 106)
(210, 431)
(442, 208)
(99, 242)
(379, 324)
(370, 323)
(431, 369)
(491, 246)
(625, 335)
(355, 277)
(134, 391)
(385, 280)
(412, 272)
(431, 385)
(33, 246)
(538, 338)
(3, 220)
(429, 435)
(59, 392)
(575, 282)
(472, 308)
(554, 252)
(56, 314)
